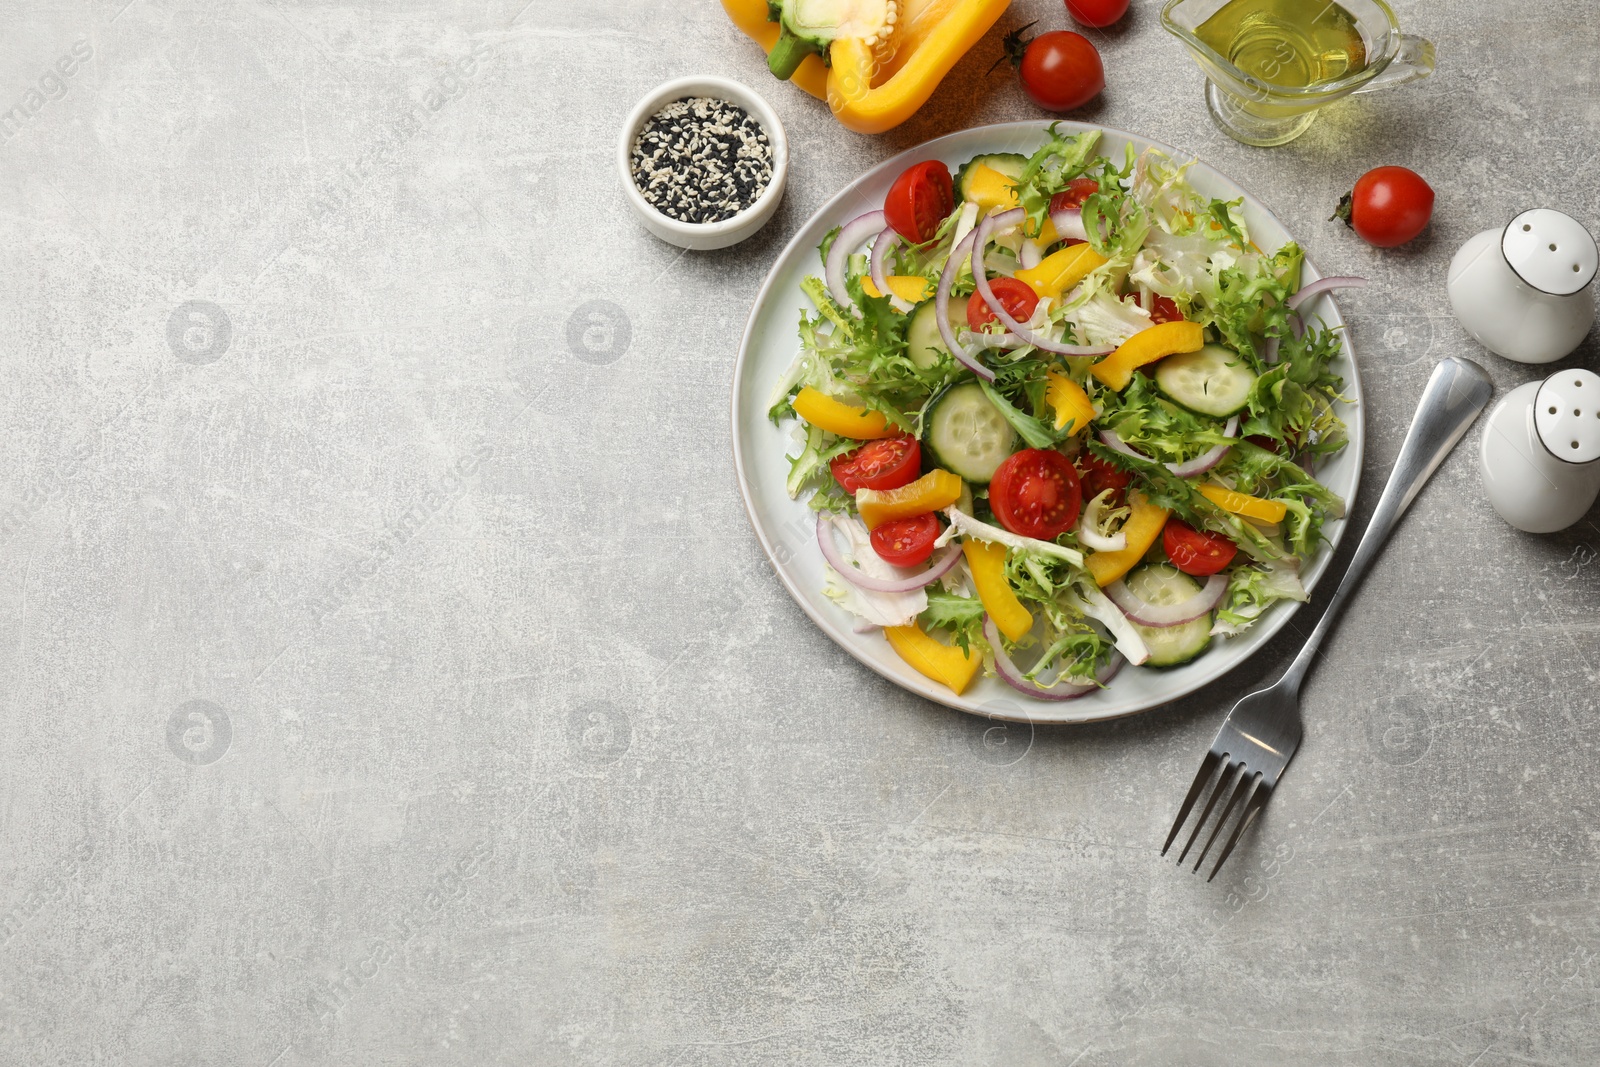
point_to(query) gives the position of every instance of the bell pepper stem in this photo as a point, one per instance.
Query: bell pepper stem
(787, 53)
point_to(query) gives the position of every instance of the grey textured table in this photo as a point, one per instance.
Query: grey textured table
(391, 675)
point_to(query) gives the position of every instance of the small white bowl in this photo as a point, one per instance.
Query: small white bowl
(705, 235)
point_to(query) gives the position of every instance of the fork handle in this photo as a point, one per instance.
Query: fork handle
(1456, 393)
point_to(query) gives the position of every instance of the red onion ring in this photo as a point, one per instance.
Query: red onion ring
(1069, 224)
(1141, 611)
(938, 568)
(851, 236)
(1323, 285)
(880, 252)
(986, 228)
(1189, 468)
(1311, 292)
(1069, 690)
(941, 309)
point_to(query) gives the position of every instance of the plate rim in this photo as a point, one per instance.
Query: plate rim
(1278, 615)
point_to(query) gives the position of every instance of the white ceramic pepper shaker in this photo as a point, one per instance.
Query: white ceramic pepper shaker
(1523, 292)
(1541, 452)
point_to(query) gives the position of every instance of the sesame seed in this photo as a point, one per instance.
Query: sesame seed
(701, 160)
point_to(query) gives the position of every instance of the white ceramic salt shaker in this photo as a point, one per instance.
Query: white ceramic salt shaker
(1524, 291)
(1541, 452)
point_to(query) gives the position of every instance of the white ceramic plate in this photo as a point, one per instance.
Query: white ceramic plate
(786, 527)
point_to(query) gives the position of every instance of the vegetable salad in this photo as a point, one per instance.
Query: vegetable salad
(1059, 413)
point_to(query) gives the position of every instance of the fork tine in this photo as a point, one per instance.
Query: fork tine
(1208, 766)
(1247, 778)
(1260, 793)
(1211, 802)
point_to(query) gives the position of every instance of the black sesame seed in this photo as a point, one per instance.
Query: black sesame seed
(701, 160)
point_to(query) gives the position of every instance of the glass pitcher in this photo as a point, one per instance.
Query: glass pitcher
(1267, 81)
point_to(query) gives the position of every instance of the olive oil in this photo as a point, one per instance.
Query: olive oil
(1292, 43)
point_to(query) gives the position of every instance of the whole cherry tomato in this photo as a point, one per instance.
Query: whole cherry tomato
(1097, 12)
(1060, 70)
(1389, 206)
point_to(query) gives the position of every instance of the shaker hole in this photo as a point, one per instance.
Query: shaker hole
(1552, 409)
(1574, 444)
(1552, 248)
(1526, 227)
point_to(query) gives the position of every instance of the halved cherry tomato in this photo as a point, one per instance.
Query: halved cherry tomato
(1018, 298)
(1195, 551)
(1164, 309)
(887, 463)
(906, 542)
(1036, 493)
(919, 200)
(1263, 441)
(1072, 197)
(1098, 476)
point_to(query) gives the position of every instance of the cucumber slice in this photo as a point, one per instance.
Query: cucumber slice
(966, 434)
(924, 345)
(1162, 583)
(1213, 381)
(1008, 163)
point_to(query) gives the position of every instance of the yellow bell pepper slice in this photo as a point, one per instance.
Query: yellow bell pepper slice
(912, 288)
(991, 190)
(1070, 401)
(872, 88)
(751, 17)
(846, 420)
(987, 562)
(933, 491)
(944, 663)
(1147, 346)
(1060, 271)
(1250, 507)
(1144, 525)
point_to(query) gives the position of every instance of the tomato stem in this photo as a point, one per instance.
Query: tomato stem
(1343, 210)
(1016, 46)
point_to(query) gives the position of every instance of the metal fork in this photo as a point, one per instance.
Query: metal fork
(1260, 735)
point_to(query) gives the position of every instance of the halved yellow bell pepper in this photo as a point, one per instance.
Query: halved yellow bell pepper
(1144, 525)
(1070, 401)
(987, 562)
(1147, 346)
(872, 88)
(846, 420)
(912, 288)
(933, 491)
(1060, 271)
(1250, 507)
(943, 663)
